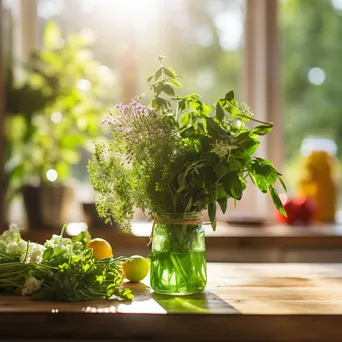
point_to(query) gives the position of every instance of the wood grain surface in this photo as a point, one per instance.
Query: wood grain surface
(250, 302)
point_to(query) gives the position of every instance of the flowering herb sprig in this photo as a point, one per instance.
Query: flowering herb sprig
(178, 154)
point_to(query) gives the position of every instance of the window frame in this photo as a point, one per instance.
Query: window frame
(261, 86)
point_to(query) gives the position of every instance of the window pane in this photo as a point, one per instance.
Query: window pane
(312, 74)
(202, 40)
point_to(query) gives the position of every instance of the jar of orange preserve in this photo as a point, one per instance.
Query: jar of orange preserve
(318, 176)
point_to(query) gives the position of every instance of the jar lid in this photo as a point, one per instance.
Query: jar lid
(311, 144)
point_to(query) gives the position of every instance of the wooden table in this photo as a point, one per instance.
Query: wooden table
(250, 302)
(237, 243)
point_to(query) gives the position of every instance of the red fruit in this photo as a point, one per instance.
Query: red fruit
(306, 209)
(291, 209)
(299, 210)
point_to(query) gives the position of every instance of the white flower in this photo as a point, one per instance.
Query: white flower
(36, 253)
(31, 285)
(57, 240)
(12, 247)
(33, 255)
(222, 148)
(36, 257)
(22, 245)
(245, 109)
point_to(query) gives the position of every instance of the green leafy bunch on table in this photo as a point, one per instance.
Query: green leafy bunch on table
(62, 269)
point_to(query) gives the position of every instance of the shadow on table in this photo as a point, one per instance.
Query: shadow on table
(201, 303)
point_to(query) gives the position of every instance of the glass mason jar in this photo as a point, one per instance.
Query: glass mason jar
(178, 257)
(318, 177)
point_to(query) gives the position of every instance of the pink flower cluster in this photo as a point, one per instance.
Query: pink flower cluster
(127, 115)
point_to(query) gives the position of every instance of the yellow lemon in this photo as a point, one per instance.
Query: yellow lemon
(136, 269)
(101, 248)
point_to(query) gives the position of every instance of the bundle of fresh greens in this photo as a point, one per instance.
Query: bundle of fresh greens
(62, 269)
(178, 155)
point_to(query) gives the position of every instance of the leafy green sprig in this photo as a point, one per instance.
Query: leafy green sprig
(64, 270)
(189, 159)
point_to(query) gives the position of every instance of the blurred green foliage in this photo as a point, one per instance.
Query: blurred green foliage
(54, 113)
(311, 38)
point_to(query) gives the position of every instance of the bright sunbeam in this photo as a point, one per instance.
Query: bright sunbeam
(131, 13)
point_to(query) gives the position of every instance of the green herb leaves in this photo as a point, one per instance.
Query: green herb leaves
(64, 270)
(264, 175)
(183, 155)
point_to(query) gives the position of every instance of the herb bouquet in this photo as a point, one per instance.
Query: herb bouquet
(62, 269)
(174, 159)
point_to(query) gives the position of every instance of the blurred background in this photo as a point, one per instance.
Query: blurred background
(66, 62)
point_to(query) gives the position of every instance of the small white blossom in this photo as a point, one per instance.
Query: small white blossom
(223, 148)
(245, 109)
(22, 245)
(57, 240)
(31, 285)
(33, 255)
(12, 247)
(36, 257)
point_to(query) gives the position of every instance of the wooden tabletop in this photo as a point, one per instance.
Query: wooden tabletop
(261, 302)
(235, 243)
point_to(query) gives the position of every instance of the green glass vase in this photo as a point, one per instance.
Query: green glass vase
(178, 256)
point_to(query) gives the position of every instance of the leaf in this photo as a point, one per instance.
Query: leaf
(223, 204)
(210, 176)
(189, 132)
(184, 120)
(167, 89)
(52, 35)
(47, 254)
(219, 112)
(276, 200)
(214, 128)
(175, 82)
(282, 182)
(221, 169)
(230, 96)
(232, 185)
(188, 205)
(249, 144)
(199, 179)
(262, 129)
(181, 188)
(212, 211)
(212, 159)
(149, 79)
(235, 165)
(181, 179)
(169, 72)
(243, 136)
(263, 173)
(158, 74)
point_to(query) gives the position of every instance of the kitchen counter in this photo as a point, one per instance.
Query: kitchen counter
(263, 302)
